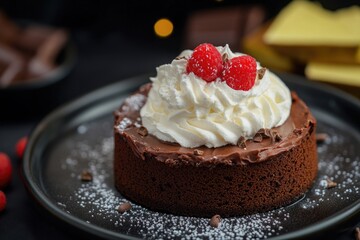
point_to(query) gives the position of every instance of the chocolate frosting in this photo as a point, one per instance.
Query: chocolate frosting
(266, 143)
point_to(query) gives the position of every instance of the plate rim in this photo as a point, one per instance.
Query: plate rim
(126, 85)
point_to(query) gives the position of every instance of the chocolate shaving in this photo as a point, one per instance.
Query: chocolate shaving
(261, 134)
(265, 132)
(321, 137)
(225, 57)
(180, 57)
(142, 131)
(198, 152)
(357, 233)
(311, 126)
(242, 142)
(215, 221)
(330, 183)
(261, 73)
(257, 138)
(86, 176)
(297, 131)
(124, 207)
(275, 136)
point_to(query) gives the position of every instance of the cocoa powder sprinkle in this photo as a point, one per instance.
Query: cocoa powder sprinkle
(215, 221)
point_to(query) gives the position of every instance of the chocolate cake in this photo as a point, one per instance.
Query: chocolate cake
(270, 170)
(214, 133)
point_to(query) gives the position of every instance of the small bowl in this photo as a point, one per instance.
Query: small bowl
(37, 96)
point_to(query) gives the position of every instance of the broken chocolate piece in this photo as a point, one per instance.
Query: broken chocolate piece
(261, 134)
(321, 137)
(198, 152)
(275, 136)
(258, 137)
(330, 183)
(124, 207)
(242, 142)
(261, 73)
(215, 221)
(142, 131)
(297, 131)
(265, 132)
(86, 176)
(357, 233)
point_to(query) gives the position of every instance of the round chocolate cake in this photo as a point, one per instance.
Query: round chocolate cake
(273, 169)
(214, 133)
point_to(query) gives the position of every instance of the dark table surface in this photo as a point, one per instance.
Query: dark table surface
(101, 61)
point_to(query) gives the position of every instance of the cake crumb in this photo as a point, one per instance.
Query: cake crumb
(215, 221)
(86, 176)
(321, 137)
(330, 183)
(124, 207)
(357, 233)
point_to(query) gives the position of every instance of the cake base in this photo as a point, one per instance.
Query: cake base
(229, 181)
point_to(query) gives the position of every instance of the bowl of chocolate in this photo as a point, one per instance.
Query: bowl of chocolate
(34, 58)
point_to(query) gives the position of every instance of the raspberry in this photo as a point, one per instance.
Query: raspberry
(205, 62)
(20, 147)
(5, 170)
(2, 201)
(240, 72)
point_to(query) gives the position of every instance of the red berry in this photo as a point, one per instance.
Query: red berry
(5, 170)
(2, 201)
(20, 147)
(240, 72)
(205, 62)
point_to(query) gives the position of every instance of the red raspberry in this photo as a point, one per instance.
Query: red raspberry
(5, 170)
(240, 72)
(205, 62)
(20, 147)
(2, 201)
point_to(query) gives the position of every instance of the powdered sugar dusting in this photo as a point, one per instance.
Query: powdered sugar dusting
(96, 202)
(133, 103)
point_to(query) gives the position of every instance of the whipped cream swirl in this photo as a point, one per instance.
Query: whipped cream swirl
(185, 109)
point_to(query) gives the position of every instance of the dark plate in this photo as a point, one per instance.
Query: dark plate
(78, 136)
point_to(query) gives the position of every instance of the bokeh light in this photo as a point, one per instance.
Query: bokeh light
(163, 27)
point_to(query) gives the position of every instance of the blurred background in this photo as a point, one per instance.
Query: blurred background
(53, 51)
(81, 45)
